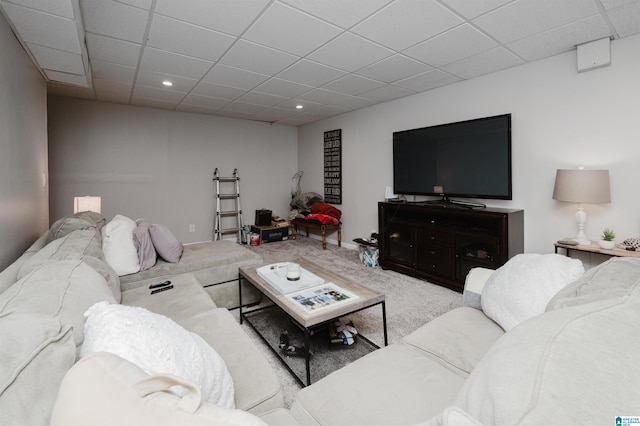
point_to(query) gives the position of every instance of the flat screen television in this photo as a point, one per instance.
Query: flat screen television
(464, 159)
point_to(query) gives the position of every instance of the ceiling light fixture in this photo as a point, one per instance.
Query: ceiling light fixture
(167, 83)
(299, 107)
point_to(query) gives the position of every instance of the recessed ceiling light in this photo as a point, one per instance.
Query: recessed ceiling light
(299, 107)
(167, 83)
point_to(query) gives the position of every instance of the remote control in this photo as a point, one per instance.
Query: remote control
(163, 284)
(158, 290)
(568, 242)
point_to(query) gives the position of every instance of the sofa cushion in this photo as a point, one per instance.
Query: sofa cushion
(78, 245)
(62, 289)
(390, 386)
(157, 344)
(457, 339)
(523, 286)
(118, 246)
(126, 395)
(79, 221)
(609, 280)
(452, 416)
(166, 244)
(574, 364)
(144, 246)
(35, 353)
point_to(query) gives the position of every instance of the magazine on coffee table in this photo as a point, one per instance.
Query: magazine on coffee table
(321, 297)
(275, 275)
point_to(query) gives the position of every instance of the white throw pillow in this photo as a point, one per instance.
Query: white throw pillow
(523, 286)
(118, 246)
(158, 345)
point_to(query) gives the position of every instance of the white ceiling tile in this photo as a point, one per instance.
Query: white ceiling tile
(229, 16)
(188, 39)
(112, 71)
(244, 107)
(156, 93)
(311, 73)
(323, 96)
(205, 101)
(342, 13)
(112, 50)
(524, 18)
(471, 9)
(62, 8)
(62, 77)
(287, 29)
(254, 57)
(114, 19)
(327, 110)
(387, 93)
(560, 40)
(427, 81)
(273, 114)
(43, 28)
(197, 109)
(353, 84)
(155, 79)
(153, 103)
(350, 52)
(393, 68)
(451, 46)
(277, 86)
(292, 103)
(234, 77)
(235, 114)
(353, 103)
(625, 17)
(262, 99)
(407, 22)
(59, 60)
(217, 91)
(142, 4)
(483, 63)
(173, 63)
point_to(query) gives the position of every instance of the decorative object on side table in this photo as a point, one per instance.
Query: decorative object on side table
(606, 240)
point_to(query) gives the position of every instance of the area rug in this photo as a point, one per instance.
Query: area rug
(410, 302)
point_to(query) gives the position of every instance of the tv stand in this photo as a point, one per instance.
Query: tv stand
(441, 245)
(444, 201)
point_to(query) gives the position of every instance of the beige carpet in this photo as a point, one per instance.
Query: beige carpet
(410, 302)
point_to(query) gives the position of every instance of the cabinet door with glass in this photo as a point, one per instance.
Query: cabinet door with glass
(400, 244)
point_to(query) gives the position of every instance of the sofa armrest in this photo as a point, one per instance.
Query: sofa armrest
(473, 285)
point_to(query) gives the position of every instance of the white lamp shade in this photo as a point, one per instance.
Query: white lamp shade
(87, 204)
(582, 186)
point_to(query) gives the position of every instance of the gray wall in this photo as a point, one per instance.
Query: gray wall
(24, 210)
(158, 165)
(560, 118)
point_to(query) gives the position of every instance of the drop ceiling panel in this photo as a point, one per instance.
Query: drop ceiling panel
(353, 84)
(289, 30)
(407, 22)
(234, 77)
(524, 18)
(471, 9)
(57, 59)
(174, 63)
(63, 8)
(350, 52)
(205, 101)
(342, 13)
(277, 86)
(450, 46)
(323, 96)
(262, 99)
(254, 57)
(625, 18)
(112, 50)
(156, 93)
(142, 4)
(427, 81)
(229, 16)
(387, 93)
(155, 79)
(112, 71)
(110, 91)
(218, 91)
(115, 19)
(182, 37)
(483, 63)
(393, 68)
(311, 73)
(61, 77)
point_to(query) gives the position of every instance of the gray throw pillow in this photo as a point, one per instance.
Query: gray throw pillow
(144, 245)
(166, 244)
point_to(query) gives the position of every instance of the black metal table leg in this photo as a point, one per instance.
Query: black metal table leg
(240, 295)
(307, 355)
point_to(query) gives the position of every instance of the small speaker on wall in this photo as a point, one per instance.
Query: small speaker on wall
(593, 55)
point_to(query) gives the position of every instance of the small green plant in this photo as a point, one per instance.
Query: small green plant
(608, 234)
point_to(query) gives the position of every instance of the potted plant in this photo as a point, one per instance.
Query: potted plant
(606, 240)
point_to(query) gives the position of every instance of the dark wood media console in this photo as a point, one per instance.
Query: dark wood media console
(442, 242)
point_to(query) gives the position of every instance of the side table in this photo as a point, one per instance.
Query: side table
(314, 224)
(595, 248)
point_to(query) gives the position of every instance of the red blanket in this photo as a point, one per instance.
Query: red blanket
(326, 209)
(322, 218)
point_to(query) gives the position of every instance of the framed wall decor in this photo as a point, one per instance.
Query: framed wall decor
(333, 166)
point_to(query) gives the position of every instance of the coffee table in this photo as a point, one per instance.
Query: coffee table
(308, 321)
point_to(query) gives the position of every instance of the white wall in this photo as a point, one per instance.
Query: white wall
(158, 165)
(560, 119)
(24, 210)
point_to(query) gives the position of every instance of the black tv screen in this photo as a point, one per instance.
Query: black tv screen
(465, 159)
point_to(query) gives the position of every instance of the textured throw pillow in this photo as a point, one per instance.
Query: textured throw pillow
(144, 246)
(117, 244)
(157, 345)
(473, 285)
(104, 389)
(166, 244)
(523, 286)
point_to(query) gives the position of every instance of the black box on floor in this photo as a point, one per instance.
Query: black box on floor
(263, 217)
(269, 234)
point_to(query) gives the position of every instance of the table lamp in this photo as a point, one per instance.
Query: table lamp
(582, 186)
(87, 203)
